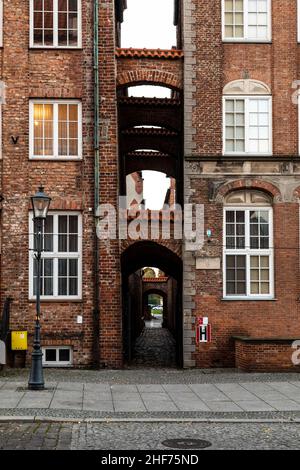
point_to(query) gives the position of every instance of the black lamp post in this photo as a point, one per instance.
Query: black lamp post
(40, 204)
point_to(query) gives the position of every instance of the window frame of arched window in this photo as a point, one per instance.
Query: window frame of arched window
(245, 106)
(248, 250)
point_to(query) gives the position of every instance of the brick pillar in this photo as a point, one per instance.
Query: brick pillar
(110, 277)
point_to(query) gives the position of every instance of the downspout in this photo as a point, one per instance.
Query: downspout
(96, 313)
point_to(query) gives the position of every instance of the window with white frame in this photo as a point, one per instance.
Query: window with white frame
(54, 356)
(55, 129)
(247, 20)
(248, 249)
(61, 258)
(55, 23)
(1, 23)
(247, 118)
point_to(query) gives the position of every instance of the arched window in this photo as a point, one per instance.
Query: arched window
(248, 246)
(247, 118)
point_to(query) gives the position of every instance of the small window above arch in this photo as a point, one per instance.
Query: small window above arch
(246, 87)
(248, 197)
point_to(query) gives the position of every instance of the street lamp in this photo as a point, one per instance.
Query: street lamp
(40, 205)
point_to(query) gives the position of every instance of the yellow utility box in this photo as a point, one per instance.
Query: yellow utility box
(19, 340)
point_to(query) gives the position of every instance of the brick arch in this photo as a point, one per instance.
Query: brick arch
(296, 194)
(149, 77)
(258, 184)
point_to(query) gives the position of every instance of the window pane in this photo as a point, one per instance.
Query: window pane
(62, 267)
(50, 355)
(64, 355)
(62, 286)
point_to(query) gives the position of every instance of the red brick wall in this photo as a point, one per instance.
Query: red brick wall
(264, 356)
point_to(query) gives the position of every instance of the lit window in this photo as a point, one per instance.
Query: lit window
(55, 23)
(61, 257)
(55, 129)
(57, 356)
(246, 20)
(248, 254)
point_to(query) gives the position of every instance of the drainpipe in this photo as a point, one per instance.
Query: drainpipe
(96, 313)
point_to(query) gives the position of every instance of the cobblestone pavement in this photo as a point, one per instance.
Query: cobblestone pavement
(155, 347)
(145, 436)
(141, 436)
(35, 436)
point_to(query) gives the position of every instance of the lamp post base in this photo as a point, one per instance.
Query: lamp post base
(36, 380)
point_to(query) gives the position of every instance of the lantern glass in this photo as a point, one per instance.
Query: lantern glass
(40, 204)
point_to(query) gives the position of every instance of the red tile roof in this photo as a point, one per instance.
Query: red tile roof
(149, 53)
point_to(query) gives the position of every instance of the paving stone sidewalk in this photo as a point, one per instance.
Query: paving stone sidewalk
(238, 397)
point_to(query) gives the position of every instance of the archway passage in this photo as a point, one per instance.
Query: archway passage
(152, 334)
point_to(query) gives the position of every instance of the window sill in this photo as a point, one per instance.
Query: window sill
(55, 48)
(57, 301)
(246, 41)
(249, 154)
(249, 299)
(56, 159)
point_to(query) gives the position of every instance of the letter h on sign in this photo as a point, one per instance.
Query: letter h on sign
(203, 332)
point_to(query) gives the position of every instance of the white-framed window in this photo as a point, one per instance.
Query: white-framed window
(61, 272)
(1, 23)
(57, 356)
(55, 129)
(55, 23)
(247, 125)
(246, 20)
(248, 252)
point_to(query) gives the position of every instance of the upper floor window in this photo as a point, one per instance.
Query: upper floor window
(248, 249)
(247, 20)
(55, 129)
(1, 23)
(55, 23)
(247, 117)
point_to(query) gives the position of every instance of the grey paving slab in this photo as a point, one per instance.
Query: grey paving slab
(254, 405)
(35, 400)
(176, 387)
(191, 405)
(223, 406)
(256, 386)
(96, 388)
(10, 400)
(163, 406)
(63, 399)
(285, 405)
(155, 388)
(100, 396)
(287, 389)
(124, 388)
(236, 392)
(128, 405)
(296, 383)
(97, 405)
(70, 386)
(14, 385)
(123, 396)
(156, 397)
(208, 392)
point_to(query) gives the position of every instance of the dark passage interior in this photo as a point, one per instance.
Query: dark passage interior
(152, 313)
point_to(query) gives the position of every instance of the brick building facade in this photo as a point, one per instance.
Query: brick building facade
(228, 135)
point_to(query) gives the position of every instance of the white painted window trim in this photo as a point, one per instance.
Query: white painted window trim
(298, 20)
(245, 38)
(55, 130)
(55, 29)
(57, 363)
(247, 98)
(249, 252)
(56, 255)
(1, 23)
